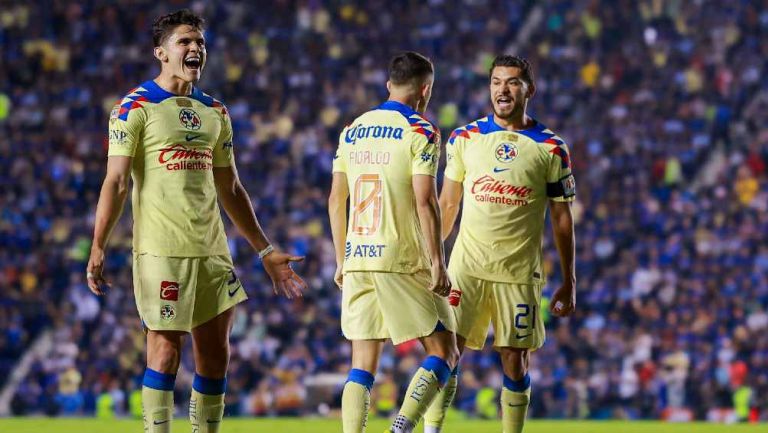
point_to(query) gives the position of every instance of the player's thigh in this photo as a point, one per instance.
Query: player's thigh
(409, 308)
(164, 288)
(517, 319)
(210, 345)
(361, 317)
(473, 313)
(218, 290)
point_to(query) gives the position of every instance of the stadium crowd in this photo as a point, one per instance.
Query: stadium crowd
(663, 104)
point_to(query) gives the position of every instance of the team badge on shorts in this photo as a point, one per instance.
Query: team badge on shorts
(167, 312)
(506, 152)
(169, 290)
(190, 119)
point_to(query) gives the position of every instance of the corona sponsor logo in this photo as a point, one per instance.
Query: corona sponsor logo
(372, 131)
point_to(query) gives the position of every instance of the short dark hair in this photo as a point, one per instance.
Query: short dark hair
(408, 67)
(510, 61)
(164, 25)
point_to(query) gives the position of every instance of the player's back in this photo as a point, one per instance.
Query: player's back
(380, 152)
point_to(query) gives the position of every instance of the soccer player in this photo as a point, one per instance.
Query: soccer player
(176, 143)
(508, 167)
(390, 261)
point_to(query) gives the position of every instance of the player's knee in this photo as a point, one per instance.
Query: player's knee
(452, 355)
(446, 349)
(212, 359)
(164, 356)
(514, 362)
(216, 353)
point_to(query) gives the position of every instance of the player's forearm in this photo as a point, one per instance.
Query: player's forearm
(448, 213)
(429, 219)
(238, 207)
(337, 213)
(108, 210)
(562, 227)
(450, 200)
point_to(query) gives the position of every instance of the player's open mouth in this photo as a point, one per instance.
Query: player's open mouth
(193, 62)
(504, 102)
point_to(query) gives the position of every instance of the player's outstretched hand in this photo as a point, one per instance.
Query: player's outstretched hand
(93, 272)
(284, 280)
(441, 284)
(338, 277)
(563, 302)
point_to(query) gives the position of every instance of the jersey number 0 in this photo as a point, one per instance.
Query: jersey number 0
(366, 211)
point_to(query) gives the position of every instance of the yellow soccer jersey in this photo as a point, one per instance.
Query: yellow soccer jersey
(508, 177)
(380, 152)
(175, 142)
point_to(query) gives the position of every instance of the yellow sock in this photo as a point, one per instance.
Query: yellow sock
(158, 410)
(515, 398)
(206, 404)
(426, 383)
(435, 416)
(205, 412)
(157, 401)
(355, 402)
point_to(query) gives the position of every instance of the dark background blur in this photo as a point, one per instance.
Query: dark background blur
(663, 104)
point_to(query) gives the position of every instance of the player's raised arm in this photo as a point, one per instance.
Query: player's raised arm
(337, 212)
(234, 198)
(114, 191)
(564, 299)
(428, 209)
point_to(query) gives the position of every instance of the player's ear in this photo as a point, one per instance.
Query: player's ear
(160, 54)
(531, 90)
(425, 89)
(389, 86)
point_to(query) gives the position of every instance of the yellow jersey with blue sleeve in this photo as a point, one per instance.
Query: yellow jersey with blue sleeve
(175, 142)
(508, 178)
(380, 152)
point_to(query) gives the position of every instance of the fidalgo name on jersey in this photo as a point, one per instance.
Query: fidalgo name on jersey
(370, 157)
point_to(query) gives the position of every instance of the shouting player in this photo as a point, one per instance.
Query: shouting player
(508, 167)
(390, 262)
(176, 143)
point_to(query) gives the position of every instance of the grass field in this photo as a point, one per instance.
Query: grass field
(311, 425)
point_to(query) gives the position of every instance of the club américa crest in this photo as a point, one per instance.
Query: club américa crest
(506, 152)
(190, 119)
(167, 312)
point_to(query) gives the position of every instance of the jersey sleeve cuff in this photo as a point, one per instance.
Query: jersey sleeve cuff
(120, 153)
(454, 177)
